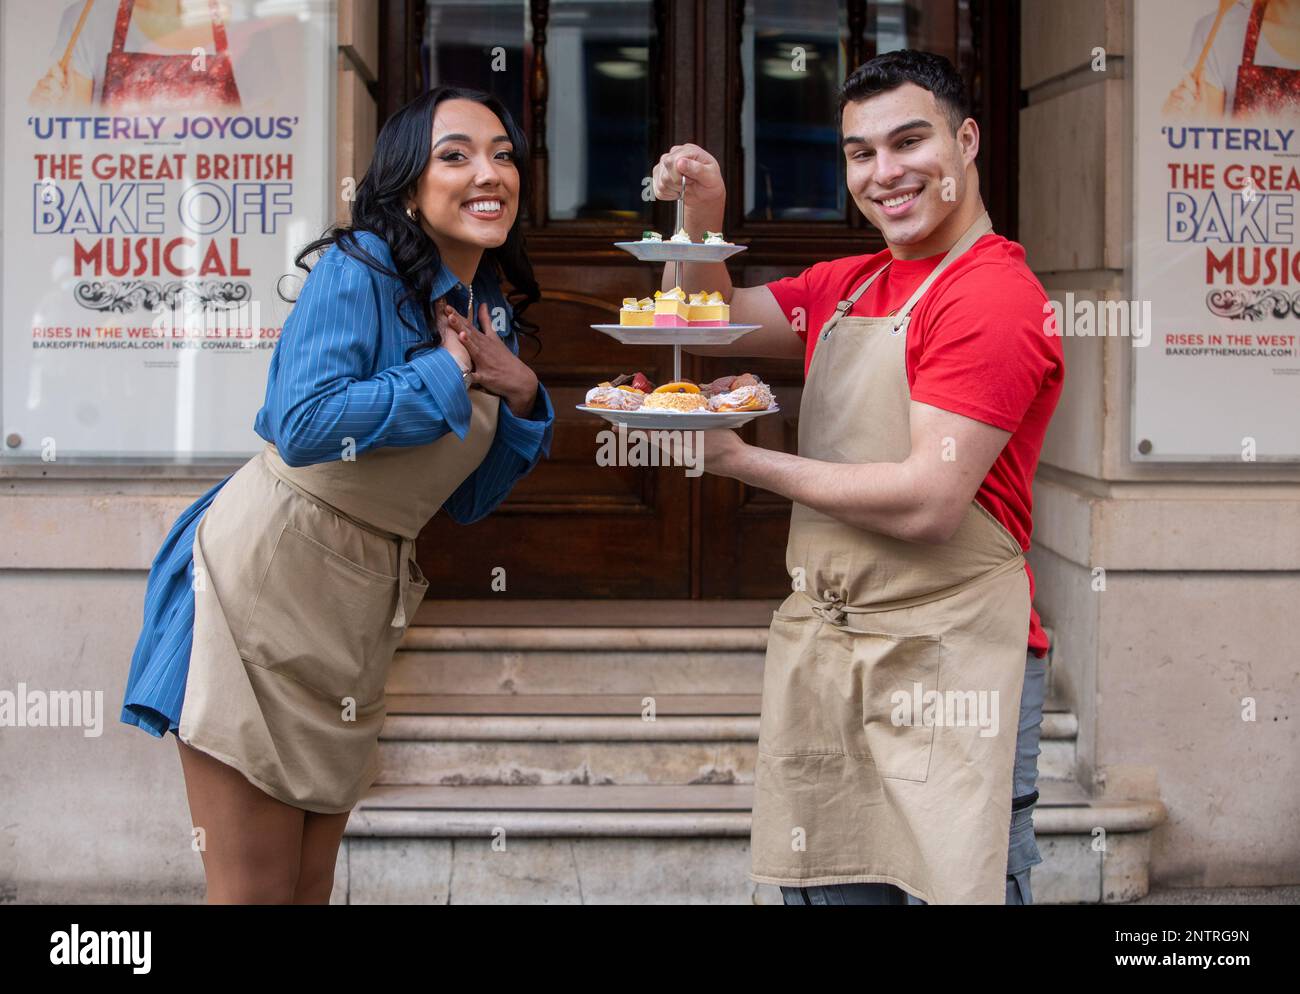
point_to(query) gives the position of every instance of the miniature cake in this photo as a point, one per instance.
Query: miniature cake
(681, 396)
(637, 313)
(615, 398)
(683, 238)
(708, 310)
(751, 398)
(671, 309)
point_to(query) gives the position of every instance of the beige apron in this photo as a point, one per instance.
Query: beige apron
(853, 783)
(305, 582)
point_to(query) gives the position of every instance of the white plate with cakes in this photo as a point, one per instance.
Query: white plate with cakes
(727, 402)
(679, 420)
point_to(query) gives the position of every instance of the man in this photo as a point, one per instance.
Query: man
(899, 734)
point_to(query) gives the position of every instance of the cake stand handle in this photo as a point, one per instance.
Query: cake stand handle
(677, 275)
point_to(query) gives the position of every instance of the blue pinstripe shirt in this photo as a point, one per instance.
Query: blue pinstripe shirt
(339, 371)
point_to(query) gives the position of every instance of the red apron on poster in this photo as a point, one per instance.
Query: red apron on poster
(1263, 88)
(139, 79)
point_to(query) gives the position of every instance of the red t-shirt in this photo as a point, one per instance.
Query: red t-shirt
(975, 346)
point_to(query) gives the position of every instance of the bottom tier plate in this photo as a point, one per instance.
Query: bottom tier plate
(682, 420)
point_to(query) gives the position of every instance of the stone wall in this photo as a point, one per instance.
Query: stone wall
(1201, 562)
(104, 817)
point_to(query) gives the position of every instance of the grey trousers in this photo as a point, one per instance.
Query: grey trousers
(1022, 852)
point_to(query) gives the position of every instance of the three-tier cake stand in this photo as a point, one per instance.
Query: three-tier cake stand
(677, 253)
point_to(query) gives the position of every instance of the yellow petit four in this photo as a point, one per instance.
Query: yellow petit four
(671, 308)
(709, 310)
(637, 312)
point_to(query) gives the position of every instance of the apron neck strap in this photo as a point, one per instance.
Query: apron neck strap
(124, 10)
(218, 28)
(126, 7)
(1252, 32)
(845, 306)
(981, 226)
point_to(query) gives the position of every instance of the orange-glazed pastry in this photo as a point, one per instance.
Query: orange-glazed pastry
(637, 313)
(679, 386)
(671, 308)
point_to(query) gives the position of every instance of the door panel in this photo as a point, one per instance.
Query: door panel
(679, 70)
(572, 528)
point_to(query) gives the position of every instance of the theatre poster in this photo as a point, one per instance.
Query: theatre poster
(156, 187)
(1216, 260)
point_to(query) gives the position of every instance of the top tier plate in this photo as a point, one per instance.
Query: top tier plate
(667, 251)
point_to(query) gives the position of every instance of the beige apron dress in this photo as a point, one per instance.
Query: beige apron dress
(849, 787)
(305, 582)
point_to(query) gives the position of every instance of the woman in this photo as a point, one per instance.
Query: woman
(276, 603)
(1243, 61)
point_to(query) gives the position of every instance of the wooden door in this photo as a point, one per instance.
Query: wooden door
(713, 73)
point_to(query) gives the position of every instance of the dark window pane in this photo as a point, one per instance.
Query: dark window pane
(794, 60)
(930, 25)
(479, 44)
(599, 114)
(793, 57)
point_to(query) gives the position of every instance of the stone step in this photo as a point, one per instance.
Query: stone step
(662, 844)
(670, 663)
(597, 739)
(581, 661)
(529, 740)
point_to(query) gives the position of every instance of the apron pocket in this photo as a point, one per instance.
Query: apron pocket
(893, 675)
(836, 691)
(320, 619)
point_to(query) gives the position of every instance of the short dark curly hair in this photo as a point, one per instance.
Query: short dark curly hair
(925, 69)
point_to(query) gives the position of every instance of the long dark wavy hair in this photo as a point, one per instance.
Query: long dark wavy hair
(402, 153)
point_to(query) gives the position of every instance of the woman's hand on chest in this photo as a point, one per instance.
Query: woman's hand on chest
(496, 369)
(450, 340)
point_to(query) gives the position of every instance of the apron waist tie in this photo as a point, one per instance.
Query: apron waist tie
(406, 547)
(832, 608)
(406, 551)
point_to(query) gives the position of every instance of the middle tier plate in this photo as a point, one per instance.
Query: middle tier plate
(631, 334)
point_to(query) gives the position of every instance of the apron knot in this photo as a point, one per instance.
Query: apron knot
(832, 607)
